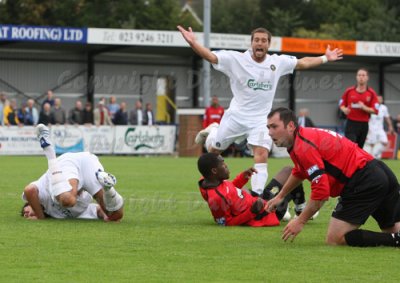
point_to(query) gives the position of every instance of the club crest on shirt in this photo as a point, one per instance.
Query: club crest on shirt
(273, 68)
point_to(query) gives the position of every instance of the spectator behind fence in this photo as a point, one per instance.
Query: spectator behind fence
(136, 114)
(11, 114)
(31, 113)
(303, 119)
(59, 112)
(46, 116)
(75, 115)
(3, 103)
(49, 99)
(148, 118)
(88, 114)
(112, 107)
(101, 116)
(121, 116)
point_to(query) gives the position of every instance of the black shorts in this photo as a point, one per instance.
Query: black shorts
(356, 132)
(373, 190)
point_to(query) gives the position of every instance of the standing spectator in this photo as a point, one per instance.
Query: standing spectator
(49, 99)
(148, 118)
(88, 114)
(358, 103)
(113, 107)
(75, 115)
(101, 116)
(121, 116)
(31, 113)
(304, 120)
(213, 113)
(397, 124)
(59, 112)
(377, 138)
(46, 115)
(11, 114)
(3, 103)
(136, 115)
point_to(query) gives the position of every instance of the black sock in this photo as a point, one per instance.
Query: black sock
(365, 238)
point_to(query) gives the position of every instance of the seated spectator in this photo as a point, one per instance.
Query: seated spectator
(75, 115)
(31, 113)
(88, 114)
(101, 116)
(58, 112)
(121, 116)
(46, 116)
(10, 116)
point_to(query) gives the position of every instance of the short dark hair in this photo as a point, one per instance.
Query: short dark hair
(261, 30)
(363, 69)
(206, 162)
(285, 114)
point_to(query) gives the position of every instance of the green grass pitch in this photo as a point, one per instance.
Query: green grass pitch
(168, 235)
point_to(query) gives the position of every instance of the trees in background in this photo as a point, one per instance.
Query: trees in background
(336, 19)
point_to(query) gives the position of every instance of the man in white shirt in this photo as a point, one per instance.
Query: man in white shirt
(254, 77)
(67, 188)
(377, 140)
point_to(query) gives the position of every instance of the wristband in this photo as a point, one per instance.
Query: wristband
(324, 59)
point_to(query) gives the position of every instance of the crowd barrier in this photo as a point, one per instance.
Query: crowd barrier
(16, 140)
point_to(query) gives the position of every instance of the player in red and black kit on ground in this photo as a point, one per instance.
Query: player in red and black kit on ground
(213, 113)
(358, 103)
(336, 167)
(230, 204)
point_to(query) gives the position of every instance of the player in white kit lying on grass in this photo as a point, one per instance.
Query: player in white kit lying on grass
(70, 184)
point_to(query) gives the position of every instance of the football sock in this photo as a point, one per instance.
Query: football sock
(377, 150)
(259, 179)
(365, 238)
(297, 195)
(112, 200)
(50, 152)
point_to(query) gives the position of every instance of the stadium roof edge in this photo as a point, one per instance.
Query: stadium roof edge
(161, 38)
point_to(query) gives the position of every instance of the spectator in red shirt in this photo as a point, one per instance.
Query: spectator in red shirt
(358, 103)
(336, 167)
(213, 113)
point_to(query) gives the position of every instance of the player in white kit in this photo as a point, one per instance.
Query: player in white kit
(254, 77)
(69, 186)
(376, 140)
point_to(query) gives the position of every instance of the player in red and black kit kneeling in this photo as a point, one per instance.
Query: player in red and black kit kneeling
(229, 203)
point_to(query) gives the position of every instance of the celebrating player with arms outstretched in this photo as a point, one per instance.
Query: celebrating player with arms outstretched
(254, 77)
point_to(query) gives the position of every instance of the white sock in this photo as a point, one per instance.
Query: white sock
(50, 152)
(211, 138)
(377, 150)
(259, 179)
(112, 200)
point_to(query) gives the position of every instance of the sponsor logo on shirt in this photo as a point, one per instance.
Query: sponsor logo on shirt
(253, 84)
(239, 192)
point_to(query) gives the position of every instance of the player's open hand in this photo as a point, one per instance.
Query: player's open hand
(249, 172)
(335, 54)
(188, 34)
(273, 203)
(292, 229)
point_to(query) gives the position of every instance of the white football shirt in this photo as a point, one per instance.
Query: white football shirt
(253, 84)
(376, 121)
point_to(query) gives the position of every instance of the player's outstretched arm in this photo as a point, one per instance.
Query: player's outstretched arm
(202, 51)
(311, 62)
